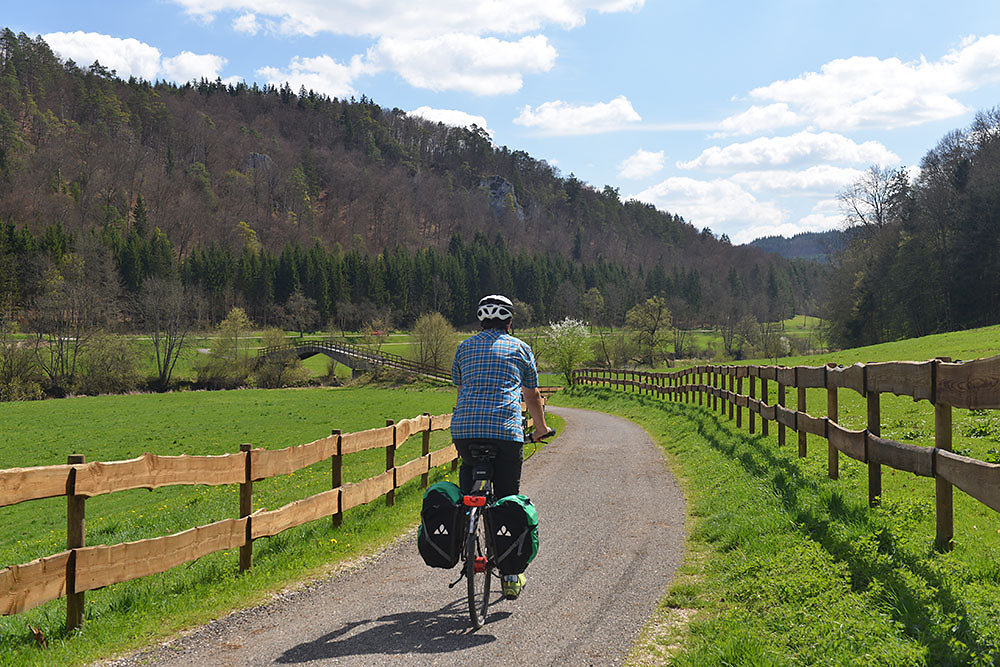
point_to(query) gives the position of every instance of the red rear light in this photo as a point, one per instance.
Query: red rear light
(480, 564)
(474, 501)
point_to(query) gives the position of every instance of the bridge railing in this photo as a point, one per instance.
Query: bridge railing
(729, 389)
(378, 358)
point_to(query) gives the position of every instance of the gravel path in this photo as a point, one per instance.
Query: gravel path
(611, 522)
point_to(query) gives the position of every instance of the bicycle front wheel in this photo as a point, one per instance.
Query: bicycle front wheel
(477, 570)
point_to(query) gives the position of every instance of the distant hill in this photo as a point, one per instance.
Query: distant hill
(815, 246)
(216, 171)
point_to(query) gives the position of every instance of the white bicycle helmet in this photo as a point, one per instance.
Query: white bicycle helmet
(495, 307)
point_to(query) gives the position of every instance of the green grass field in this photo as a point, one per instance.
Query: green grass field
(105, 428)
(117, 427)
(787, 567)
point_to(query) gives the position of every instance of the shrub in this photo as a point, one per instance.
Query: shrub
(280, 370)
(226, 366)
(108, 365)
(435, 340)
(565, 346)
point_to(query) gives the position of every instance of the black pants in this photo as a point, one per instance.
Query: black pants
(506, 466)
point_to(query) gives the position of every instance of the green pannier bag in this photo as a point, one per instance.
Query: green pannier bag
(440, 534)
(513, 522)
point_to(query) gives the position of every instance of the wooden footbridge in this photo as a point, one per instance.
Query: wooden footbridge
(356, 358)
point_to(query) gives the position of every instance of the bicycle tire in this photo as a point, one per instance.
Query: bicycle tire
(478, 582)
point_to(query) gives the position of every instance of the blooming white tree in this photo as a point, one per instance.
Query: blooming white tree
(566, 346)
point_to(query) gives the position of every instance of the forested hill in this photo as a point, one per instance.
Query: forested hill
(238, 167)
(814, 246)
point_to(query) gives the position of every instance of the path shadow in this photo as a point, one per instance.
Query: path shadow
(442, 631)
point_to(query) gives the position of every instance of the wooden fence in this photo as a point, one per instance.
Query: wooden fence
(946, 385)
(83, 568)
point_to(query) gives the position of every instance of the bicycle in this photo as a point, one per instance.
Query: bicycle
(479, 566)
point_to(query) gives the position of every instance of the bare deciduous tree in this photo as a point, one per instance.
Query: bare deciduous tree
(165, 314)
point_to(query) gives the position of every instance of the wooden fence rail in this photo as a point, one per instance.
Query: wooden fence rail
(946, 385)
(83, 568)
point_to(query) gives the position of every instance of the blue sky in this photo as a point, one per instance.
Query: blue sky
(746, 117)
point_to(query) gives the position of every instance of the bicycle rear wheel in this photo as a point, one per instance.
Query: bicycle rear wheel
(477, 570)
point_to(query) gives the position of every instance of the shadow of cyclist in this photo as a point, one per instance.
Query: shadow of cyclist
(441, 631)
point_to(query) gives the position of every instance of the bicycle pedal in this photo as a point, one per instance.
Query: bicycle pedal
(480, 564)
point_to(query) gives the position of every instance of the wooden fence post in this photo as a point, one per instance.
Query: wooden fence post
(874, 467)
(390, 463)
(337, 480)
(720, 380)
(701, 391)
(800, 406)
(246, 508)
(76, 535)
(739, 410)
(753, 394)
(713, 380)
(833, 414)
(943, 495)
(781, 427)
(732, 386)
(944, 507)
(425, 449)
(764, 398)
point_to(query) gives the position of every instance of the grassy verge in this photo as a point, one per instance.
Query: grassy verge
(786, 567)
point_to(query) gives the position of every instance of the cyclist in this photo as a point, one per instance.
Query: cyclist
(493, 371)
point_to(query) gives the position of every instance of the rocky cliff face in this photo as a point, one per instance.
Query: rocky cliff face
(502, 195)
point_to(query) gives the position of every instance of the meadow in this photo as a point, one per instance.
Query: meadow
(109, 428)
(788, 567)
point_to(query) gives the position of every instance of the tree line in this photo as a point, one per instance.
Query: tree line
(306, 288)
(924, 255)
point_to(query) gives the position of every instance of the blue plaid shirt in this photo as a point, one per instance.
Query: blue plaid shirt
(490, 369)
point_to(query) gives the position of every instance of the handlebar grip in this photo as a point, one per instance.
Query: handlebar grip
(538, 438)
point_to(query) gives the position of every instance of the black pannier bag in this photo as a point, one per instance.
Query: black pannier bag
(440, 534)
(513, 522)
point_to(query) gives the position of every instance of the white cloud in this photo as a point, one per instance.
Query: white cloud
(322, 74)
(192, 66)
(440, 45)
(247, 23)
(720, 204)
(756, 119)
(641, 164)
(480, 65)
(413, 19)
(820, 179)
(451, 117)
(128, 57)
(869, 92)
(800, 148)
(560, 118)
